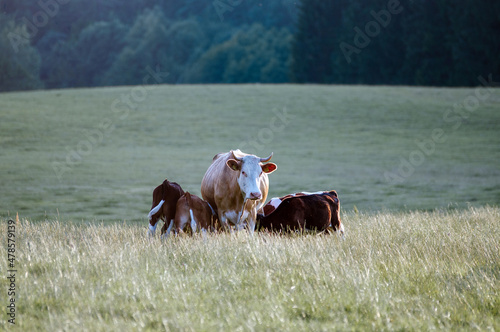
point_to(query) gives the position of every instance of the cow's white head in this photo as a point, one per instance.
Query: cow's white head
(251, 169)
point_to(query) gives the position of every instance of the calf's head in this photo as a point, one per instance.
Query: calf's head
(250, 170)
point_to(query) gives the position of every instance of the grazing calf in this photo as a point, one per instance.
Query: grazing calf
(196, 212)
(301, 211)
(165, 198)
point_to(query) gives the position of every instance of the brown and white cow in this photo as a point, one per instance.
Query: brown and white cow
(302, 211)
(165, 198)
(196, 212)
(236, 186)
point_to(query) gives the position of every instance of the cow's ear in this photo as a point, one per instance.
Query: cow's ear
(233, 164)
(269, 167)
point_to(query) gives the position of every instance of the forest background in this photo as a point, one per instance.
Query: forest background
(86, 43)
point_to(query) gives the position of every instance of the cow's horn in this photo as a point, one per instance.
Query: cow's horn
(263, 160)
(237, 154)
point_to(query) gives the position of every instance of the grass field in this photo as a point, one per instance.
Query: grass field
(347, 138)
(413, 271)
(417, 174)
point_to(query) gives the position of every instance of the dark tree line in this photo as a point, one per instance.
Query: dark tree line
(80, 43)
(419, 42)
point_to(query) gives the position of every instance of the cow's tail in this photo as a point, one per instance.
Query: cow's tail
(191, 215)
(193, 221)
(155, 209)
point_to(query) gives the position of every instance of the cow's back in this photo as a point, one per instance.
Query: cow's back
(171, 193)
(158, 194)
(299, 212)
(201, 212)
(218, 181)
(212, 175)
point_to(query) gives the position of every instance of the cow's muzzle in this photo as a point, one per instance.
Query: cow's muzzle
(255, 196)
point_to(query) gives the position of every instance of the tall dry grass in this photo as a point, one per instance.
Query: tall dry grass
(394, 271)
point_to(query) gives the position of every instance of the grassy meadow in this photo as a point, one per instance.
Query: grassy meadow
(110, 154)
(416, 169)
(414, 271)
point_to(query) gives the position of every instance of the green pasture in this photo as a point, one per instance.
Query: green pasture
(97, 154)
(417, 171)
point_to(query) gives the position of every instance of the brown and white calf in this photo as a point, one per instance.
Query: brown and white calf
(236, 186)
(302, 211)
(193, 211)
(165, 198)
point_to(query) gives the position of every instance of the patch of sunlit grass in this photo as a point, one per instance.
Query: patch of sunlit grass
(415, 270)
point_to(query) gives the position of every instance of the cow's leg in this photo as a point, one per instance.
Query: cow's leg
(251, 221)
(251, 226)
(166, 225)
(180, 223)
(341, 231)
(224, 223)
(170, 227)
(243, 220)
(165, 235)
